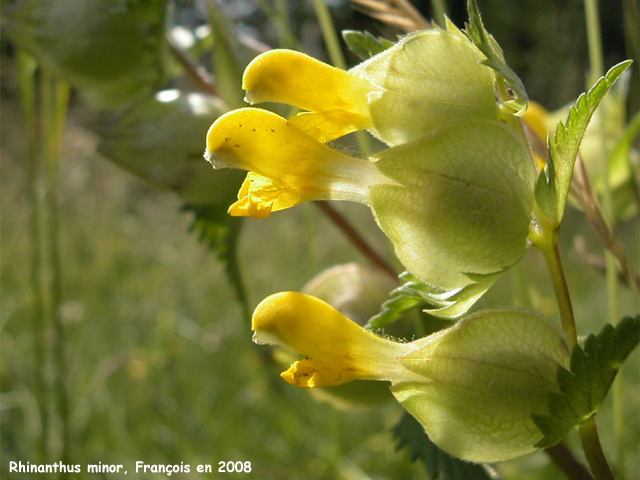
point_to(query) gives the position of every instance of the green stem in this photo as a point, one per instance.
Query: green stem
(27, 70)
(593, 450)
(337, 59)
(54, 97)
(588, 432)
(544, 235)
(567, 463)
(202, 79)
(554, 263)
(287, 39)
(329, 34)
(278, 14)
(593, 39)
(439, 11)
(597, 69)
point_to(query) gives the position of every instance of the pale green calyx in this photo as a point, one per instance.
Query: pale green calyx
(429, 80)
(483, 378)
(462, 202)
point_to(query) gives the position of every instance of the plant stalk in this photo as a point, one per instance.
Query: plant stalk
(554, 263)
(329, 34)
(54, 97)
(439, 11)
(593, 450)
(357, 239)
(565, 461)
(588, 432)
(545, 238)
(596, 61)
(200, 77)
(27, 71)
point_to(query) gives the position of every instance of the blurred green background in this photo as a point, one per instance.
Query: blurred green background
(147, 348)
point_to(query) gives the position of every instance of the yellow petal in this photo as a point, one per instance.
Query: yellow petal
(288, 165)
(536, 117)
(337, 98)
(331, 124)
(259, 196)
(337, 349)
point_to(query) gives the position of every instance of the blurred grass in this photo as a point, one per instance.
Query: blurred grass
(161, 364)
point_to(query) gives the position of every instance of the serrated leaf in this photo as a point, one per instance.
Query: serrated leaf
(406, 297)
(447, 304)
(584, 387)
(363, 44)
(553, 186)
(440, 465)
(514, 96)
(220, 231)
(461, 301)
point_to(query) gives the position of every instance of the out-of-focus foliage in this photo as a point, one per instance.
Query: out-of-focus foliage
(114, 51)
(160, 139)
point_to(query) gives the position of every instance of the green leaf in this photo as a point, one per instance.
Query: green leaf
(220, 232)
(514, 96)
(553, 185)
(447, 304)
(363, 44)
(440, 465)
(584, 387)
(408, 296)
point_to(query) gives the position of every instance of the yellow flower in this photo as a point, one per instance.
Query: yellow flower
(536, 116)
(536, 119)
(287, 166)
(480, 379)
(454, 192)
(429, 80)
(338, 98)
(337, 349)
